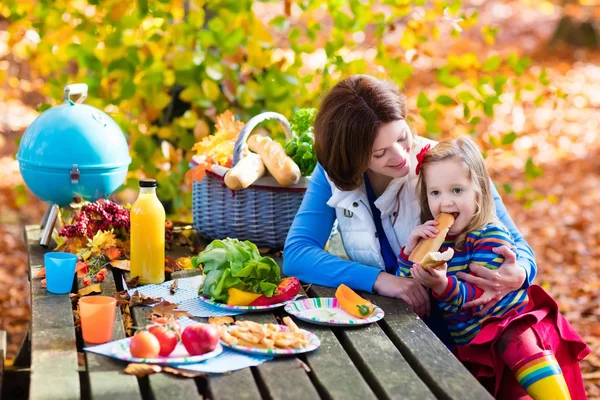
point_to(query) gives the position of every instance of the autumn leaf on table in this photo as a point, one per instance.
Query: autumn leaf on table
(174, 287)
(142, 370)
(167, 309)
(102, 240)
(138, 299)
(171, 266)
(121, 264)
(133, 282)
(112, 253)
(81, 268)
(184, 263)
(127, 321)
(220, 320)
(122, 297)
(41, 273)
(91, 289)
(182, 372)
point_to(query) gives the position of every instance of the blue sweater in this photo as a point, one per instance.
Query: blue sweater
(305, 257)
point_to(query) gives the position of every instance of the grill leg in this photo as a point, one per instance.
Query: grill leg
(48, 224)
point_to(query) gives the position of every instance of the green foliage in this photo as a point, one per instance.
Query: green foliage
(300, 148)
(141, 59)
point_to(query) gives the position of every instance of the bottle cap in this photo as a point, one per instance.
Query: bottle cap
(148, 183)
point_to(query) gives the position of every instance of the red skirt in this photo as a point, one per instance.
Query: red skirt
(553, 332)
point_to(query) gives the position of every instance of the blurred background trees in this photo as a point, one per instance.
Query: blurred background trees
(164, 69)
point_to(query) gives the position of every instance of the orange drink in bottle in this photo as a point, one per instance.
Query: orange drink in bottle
(147, 252)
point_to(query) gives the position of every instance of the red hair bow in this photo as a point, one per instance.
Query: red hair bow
(421, 157)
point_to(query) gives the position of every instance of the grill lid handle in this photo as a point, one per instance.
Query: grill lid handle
(75, 174)
(77, 88)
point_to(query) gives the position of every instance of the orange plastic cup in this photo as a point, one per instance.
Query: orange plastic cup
(97, 314)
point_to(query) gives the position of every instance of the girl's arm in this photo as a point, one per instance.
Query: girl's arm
(479, 245)
(525, 256)
(304, 256)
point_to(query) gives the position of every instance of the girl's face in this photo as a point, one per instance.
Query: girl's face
(450, 190)
(390, 154)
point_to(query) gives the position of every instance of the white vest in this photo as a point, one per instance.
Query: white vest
(355, 219)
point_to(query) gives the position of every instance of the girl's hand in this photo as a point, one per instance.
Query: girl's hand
(495, 283)
(403, 288)
(432, 278)
(427, 230)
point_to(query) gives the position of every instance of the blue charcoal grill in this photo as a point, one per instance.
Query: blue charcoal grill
(72, 149)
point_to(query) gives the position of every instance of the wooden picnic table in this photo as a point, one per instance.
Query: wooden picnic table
(398, 357)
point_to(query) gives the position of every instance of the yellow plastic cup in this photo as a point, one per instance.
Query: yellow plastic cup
(97, 314)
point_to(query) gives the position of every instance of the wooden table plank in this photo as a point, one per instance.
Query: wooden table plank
(334, 372)
(54, 368)
(443, 373)
(237, 385)
(381, 363)
(165, 386)
(283, 377)
(106, 374)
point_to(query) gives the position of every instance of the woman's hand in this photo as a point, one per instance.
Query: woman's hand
(406, 289)
(425, 231)
(433, 278)
(495, 283)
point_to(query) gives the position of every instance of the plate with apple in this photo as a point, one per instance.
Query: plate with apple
(164, 342)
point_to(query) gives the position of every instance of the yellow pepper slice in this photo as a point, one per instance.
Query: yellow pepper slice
(352, 303)
(240, 298)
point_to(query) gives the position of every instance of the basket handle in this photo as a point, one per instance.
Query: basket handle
(250, 125)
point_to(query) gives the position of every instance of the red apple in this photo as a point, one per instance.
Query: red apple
(200, 338)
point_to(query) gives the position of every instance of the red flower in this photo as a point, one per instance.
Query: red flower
(421, 157)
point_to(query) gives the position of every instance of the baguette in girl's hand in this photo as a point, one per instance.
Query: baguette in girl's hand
(282, 167)
(427, 252)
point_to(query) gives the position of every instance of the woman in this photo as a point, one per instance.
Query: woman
(366, 180)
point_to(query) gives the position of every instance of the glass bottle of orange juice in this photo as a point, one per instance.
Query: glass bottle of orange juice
(147, 252)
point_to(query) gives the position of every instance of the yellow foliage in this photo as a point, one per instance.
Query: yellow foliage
(219, 146)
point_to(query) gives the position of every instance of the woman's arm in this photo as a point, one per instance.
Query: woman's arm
(304, 256)
(525, 256)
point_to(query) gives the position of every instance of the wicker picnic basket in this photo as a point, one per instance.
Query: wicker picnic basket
(261, 213)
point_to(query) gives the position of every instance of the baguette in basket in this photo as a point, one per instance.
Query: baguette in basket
(245, 172)
(283, 168)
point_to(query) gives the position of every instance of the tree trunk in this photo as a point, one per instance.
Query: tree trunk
(575, 33)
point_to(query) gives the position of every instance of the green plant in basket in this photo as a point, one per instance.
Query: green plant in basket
(301, 148)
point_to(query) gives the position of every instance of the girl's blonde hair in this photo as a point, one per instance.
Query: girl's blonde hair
(467, 152)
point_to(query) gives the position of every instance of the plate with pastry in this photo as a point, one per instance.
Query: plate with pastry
(268, 339)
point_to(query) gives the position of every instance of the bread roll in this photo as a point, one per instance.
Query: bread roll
(432, 245)
(283, 168)
(245, 172)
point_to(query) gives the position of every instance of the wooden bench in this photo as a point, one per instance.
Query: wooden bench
(398, 357)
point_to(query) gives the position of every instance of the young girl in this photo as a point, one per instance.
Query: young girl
(522, 346)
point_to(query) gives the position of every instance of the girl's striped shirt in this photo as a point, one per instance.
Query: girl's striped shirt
(462, 323)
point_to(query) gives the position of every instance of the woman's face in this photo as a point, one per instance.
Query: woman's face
(390, 154)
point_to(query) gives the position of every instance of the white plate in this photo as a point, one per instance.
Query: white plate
(119, 349)
(327, 311)
(313, 343)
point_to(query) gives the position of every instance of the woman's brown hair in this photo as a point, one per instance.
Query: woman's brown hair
(467, 152)
(347, 124)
